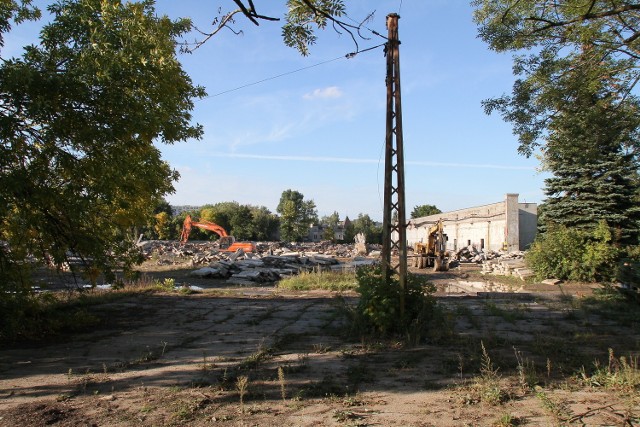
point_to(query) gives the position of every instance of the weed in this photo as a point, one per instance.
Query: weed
(507, 420)
(282, 382)
(620, 373)
(146, 409)
(206, 366)
(359, 373)
(486, 387)
(254, 360)
(320, 348)
(327, 387)
(242, 384)
(346, 416)
(167, 284)
(527, 376)
(557, 409)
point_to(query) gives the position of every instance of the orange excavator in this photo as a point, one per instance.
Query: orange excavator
(227, 243)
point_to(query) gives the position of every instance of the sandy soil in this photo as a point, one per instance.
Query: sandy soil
(171, 359)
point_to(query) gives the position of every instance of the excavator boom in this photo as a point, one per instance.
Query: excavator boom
(227, 243)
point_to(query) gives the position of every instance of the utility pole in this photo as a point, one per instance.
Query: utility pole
(394, 235)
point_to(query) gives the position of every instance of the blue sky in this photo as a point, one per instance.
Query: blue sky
(321, 130)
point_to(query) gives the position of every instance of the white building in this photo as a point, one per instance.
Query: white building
(507, 225)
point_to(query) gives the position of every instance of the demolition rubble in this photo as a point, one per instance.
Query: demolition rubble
(498, 263)
(269, 263)
(274, 261)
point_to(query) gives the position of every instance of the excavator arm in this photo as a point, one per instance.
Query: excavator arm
(205, 225)
(227, 243)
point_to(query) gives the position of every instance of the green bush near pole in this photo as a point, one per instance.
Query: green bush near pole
(378, 311)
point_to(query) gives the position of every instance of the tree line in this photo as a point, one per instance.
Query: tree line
(293, 218)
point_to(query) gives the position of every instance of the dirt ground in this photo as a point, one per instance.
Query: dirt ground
(266, 357)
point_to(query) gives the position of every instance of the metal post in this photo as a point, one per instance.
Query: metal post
(394, 237)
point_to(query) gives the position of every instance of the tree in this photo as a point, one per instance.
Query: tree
(567, 35)
(264, 224)
(611, 26)
(300, 20)
(424, 210)
(594, 175)
(78, 117)
(296, 215)
(573, 102)
(330, 224)
(364, 224)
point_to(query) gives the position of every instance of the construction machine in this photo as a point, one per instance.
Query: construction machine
(227, 243)
(433, 253)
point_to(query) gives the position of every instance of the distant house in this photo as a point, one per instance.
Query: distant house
(507, 225)
(318, 231)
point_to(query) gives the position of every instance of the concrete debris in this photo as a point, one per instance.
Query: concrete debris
(508, 264)
(471, 254)
(361, 244)
(552, 282)
(271, 261)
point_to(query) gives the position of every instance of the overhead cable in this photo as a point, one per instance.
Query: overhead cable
(347, 56)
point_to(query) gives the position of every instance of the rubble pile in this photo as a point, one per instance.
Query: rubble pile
(511, 264)
(471, 254)
(269, 263)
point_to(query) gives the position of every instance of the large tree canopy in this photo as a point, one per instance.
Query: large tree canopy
(574, 101)
(79, 113)
(563, 36)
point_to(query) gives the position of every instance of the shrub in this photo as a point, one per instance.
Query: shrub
(571, 254)
(378, 310)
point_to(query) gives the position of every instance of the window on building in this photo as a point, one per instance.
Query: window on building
(481, 243)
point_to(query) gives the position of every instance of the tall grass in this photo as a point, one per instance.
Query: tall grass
(326, 280)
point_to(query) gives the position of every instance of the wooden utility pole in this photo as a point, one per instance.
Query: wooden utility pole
(394, 235)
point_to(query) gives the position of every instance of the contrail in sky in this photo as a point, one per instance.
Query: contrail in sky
(354, 160)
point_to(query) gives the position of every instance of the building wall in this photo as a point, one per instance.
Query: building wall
(528, 218)
(507, 224)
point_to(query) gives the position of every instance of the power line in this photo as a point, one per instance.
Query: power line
(347, 56)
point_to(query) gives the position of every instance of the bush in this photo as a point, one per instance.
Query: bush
(378, 310)
(579, 255)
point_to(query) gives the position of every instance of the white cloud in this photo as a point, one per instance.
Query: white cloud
(326, 93)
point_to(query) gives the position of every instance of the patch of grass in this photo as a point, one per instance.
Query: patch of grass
(325, 280)
(507, 420)
(612, 305)
(254, 360)
(511, 314)
(619, 374)
(558, 409)
(327, 387)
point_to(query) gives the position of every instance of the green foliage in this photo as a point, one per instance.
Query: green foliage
(79, 171)
(424, 210)
(298, 30)
(379, 310)
(364, 224)
(619, 373)
(296, 215)
(574, 101)
(570, 254)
